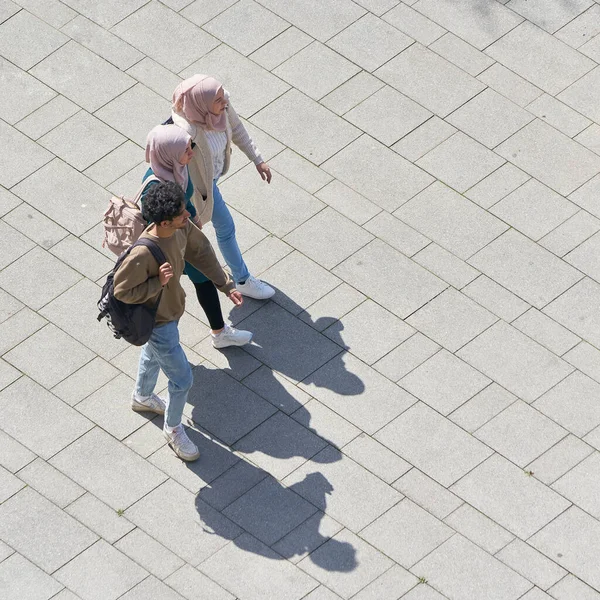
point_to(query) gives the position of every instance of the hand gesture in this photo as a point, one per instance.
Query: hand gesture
(165, 272)
(236, 297)
(264, 171)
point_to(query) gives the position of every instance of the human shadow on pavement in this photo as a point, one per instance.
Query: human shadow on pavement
(285, 518)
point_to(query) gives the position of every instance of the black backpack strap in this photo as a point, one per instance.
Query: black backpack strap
(154, 249)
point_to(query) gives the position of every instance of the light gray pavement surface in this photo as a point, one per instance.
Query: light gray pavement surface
(419, 416)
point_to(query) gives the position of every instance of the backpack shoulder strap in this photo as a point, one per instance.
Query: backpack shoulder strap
(154, 248)
(151, 179)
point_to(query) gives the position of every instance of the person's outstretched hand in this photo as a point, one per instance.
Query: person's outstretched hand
(264, 171)
(236, 297)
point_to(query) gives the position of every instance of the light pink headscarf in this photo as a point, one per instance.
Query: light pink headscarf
(194, 96)
(164, 146)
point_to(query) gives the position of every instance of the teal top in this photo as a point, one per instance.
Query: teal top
(193, 273)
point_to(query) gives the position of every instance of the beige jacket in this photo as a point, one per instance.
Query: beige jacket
(201, 167)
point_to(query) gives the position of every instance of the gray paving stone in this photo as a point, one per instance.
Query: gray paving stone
(478, 528)
(148, 553)
(444, 382)
(299, 70)
(427, 493)
(18, 327)
(348, 202)
(407, 289)
(406, 357)
(328, 424)
(321, 20)
(583, 258)
(451, 319)
(571, 233)
(359, 497)
(10, 306)
(573, 404)
(279, 446)
(50, 547)
(102, 42)
(580, 484)
(587, 196)
(445, 265)
(406, 533)
(280, 48)
(534, 209)
(48, 116)
(449, 219)
(101, 572)
(393, 582)
(8, 374)
(396, 233)
(572, 541)
(546, 331)
(280, 207)
(321, 593)
(479, 23)
(495, 298)
(7, 10)
(155, 76)
(10, 485)
(369, 331)
(114, 164)
(589, 138)
(402, 115)
(497, 185)
(490, 118)
(414, 24)
(49, 356)
(25, 40)
(462, 54)
(14, 456)
(251, 86)
(559, 459)
(89, 80)
(21, 93)
(52, 11)
(300, 171)
(524, 268)
(21, 579)
(151, 588)
(585, 358)
(559, 115)
(433, 444)
(49, 482)
(8, 201)
(515, 361)
(38, 419)
(345, 564)
(106, 14)
(520, 433)
(12, 168)
(509, 84)
(530, 563)
(13, 244)
(424, 138)
(378, 7)
(84, 295)
(308, 352)
(35, 225)
(571, 588)
(550, 18)
(370, 42)
(357, 392)
(540, 58)
(98, 517)
(194, 585)
(430, 80)
(175, 45)
(423, 592)
(510, 497)
(310, 118)
(113, 473)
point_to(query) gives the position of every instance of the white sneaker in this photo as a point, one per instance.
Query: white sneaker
(152, 403)
(255, 288)
(181, 443)
(230, 336)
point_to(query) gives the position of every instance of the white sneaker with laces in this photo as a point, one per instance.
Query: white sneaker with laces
(230, 336)
(181, 443)
(255, 288)
(152, 403)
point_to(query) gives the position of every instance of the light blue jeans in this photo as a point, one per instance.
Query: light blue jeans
(163, 351)
(225, 229)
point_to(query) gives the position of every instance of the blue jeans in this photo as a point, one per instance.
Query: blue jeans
(225, 229)
(163, 351)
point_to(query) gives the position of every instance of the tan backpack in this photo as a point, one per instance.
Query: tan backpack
(123, 221)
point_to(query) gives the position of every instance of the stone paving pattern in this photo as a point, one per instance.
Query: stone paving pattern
(419, 416)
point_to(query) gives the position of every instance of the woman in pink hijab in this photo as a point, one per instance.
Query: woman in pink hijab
(201, 108)
(169, 152)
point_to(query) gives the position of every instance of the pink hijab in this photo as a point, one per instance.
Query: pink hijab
(164, 146)
(194, 96)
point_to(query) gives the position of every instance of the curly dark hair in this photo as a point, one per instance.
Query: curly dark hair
(163, 202)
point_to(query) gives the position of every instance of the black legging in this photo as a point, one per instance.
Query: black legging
(209, 301)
